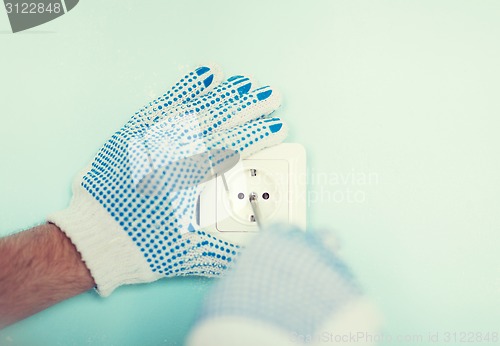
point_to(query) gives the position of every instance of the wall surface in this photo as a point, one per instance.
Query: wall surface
(395, 101)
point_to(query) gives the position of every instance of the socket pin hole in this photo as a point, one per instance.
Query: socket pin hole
(241, 195)
(265, 195)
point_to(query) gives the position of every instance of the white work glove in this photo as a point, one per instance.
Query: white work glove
(287, 288)
(132, 212)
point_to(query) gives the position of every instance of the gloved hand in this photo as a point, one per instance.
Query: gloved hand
(287, 288)
(132, 212)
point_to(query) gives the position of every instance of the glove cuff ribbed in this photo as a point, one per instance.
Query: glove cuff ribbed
(108, 252)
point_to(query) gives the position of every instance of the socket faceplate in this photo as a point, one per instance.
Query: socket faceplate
(276, 175)
(265, 178)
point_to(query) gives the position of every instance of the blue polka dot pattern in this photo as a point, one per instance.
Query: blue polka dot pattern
(148, 175)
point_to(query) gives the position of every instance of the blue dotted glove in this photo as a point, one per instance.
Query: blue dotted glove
(287, 288)
(132, 212)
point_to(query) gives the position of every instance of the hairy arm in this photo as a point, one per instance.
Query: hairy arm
(38, 268)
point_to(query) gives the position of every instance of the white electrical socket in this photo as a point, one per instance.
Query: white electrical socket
(276, 175)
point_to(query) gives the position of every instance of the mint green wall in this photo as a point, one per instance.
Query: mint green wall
(395, 101)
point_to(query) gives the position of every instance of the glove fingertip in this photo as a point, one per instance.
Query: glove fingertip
(211, 75)
(276, 125)
(269, 96)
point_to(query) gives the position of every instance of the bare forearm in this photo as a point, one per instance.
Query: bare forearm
(38, 268)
